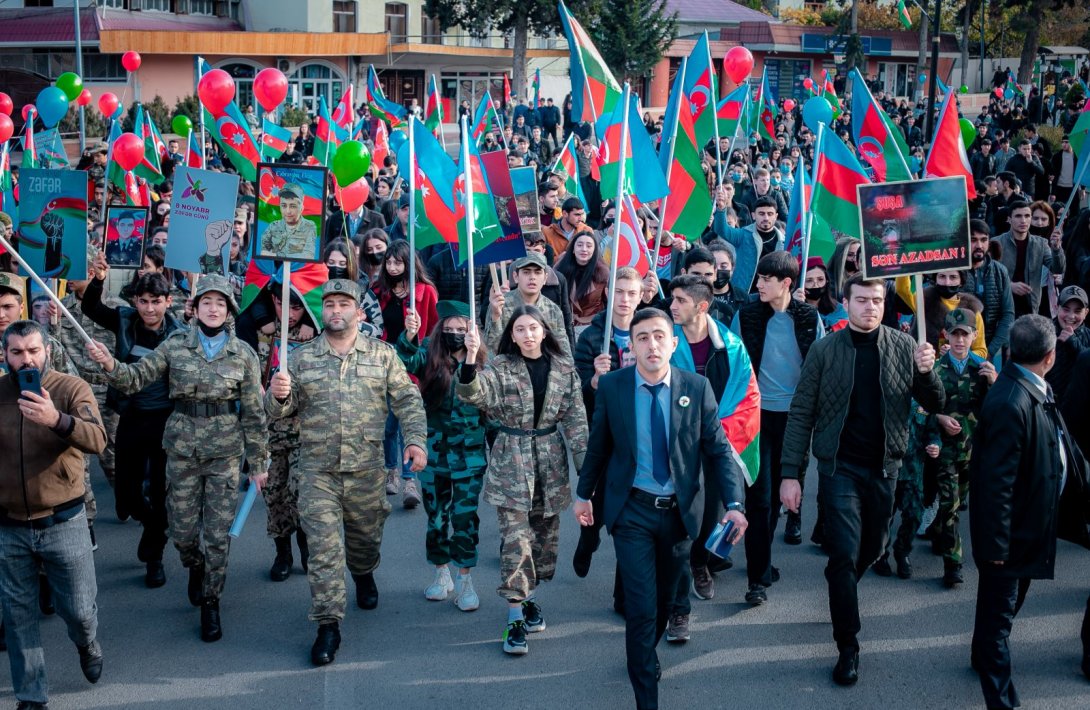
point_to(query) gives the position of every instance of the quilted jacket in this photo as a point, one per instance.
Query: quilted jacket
(821, 400)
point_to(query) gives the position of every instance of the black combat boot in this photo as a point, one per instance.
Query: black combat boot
(366, 590)
(196, 584)
(304, 549)
(281, 566)
(325, 646)
(210, 620)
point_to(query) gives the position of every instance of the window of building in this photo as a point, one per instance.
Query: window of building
(344, 16)
(156, 5)
(397, 21)
(311, 81)
(115, 4)
(243, 73)
(897, 78)
(814, 6)
(201, 7)
(37, 3)
(430, 32)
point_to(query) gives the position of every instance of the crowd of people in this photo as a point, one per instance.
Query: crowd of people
(393, 388)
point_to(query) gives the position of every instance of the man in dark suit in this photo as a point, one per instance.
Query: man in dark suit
(653, 427)
(1028, 482)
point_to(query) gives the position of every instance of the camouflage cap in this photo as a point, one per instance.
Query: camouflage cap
(242, 215)
(101, 147)
(1074, 293)
(531, 259)
(341, 287)
(960, 319)
(215, 283)
(452, 309)
(10, 283)
(291, 189)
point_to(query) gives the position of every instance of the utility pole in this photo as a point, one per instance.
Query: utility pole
(933, 88)
(79, 72)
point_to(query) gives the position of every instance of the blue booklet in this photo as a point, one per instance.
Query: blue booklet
(721, 541)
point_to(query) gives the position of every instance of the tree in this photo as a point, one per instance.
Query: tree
(632, 35)
(519, 17)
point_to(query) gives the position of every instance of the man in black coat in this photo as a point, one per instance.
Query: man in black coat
(1028, 482)
(653, 426)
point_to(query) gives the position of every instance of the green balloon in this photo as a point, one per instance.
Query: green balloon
(70, 84)
(968, 131)
(182, 125)
(351, 162)
(964, 89)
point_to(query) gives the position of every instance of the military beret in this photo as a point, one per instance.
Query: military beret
(290, 189)
(531, 259)
(342, 287)
(960, 318)
(452, 309)
(1074, 293)
(11, 283)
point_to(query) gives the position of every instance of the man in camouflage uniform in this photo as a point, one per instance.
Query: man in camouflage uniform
(966, 378)
(338, 385)
(292, 236)
(529, 275)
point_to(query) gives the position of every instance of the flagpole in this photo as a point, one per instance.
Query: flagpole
(805, 210)
(285, 309)
(734, 137)
(467, 174)
(200, 109)
(106, 192)
(670, 165)
(608, 333)
(1074, 191)
(49, 292)
(412, 213)
(715, 110)
(495, 113)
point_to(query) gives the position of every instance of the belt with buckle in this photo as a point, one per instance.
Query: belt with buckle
(658, 502)
(61, 513)
(206, 410)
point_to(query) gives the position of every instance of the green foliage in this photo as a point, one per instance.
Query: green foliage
(94, 124)
(292, 117)
(1051, 135)
(156, 108)
(1075, 95)
(189, 107)
(633, 34)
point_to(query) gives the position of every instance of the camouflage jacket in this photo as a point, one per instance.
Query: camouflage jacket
(283, 433)
(232, 375)
(554, 318)
(965, 394)
(342, 404)
(76, 349)
(502, 391)
(456, 430)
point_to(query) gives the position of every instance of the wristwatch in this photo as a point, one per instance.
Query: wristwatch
(737, 506)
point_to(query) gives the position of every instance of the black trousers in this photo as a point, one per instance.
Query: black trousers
(762, 500)
(856, 506)
(698, 554)
(652, 548)
(140, 456)
(998, 600)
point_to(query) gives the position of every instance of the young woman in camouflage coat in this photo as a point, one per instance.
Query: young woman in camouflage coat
(528, 389)
(451, 484)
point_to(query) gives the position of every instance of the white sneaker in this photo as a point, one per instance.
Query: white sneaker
(927, 518)
(393, 481)
(411, 495)
(465, 596)
(441, 588)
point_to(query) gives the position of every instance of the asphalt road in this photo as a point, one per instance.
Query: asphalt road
(412, 653)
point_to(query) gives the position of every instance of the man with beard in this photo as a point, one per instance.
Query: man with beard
(1024, 255)
(750, 243)
(990, 282)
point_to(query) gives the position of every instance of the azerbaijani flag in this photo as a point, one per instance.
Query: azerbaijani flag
(795, 227)
(731, 111)
(231, 132)
(194, 155)
(382, 145)
(486, 224)
(1079, 143)
(875, 138)
(30, 150)
(567, 166)
(594, 90)
(834, 200)
(740, 403)
(149, 168)
(433, 109)
(506, 90)
(642, 173)
(828, 92)
(274, 139)
(325, 136)
(903, 16)
(763, 118)
(485, 118)
(632, 244)
(7, 187)
(701, 90)
(689, 206)
(306, 283)
(947, 156)
(123, 179)
(536, 88)
(437, 211)
(381, 107)
(51, 150)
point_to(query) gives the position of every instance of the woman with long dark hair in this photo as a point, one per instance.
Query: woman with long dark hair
(818, 292)
(451, 483)
(528, 389)
(588, 277)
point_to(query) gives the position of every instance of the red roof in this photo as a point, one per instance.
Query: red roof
(719, 12)
(164, 21)
(44, 26)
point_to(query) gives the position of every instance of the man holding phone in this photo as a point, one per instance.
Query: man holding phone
(48, 421)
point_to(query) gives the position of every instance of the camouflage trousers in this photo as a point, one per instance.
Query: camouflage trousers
(908, 499)
(89, 494)
(451, 504)
(281, 493)
(109, 420)
(201, 499)
(528, 547)
(331, 504)
(953, 480)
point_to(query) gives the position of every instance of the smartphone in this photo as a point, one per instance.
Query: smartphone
(721, 541)
(30, 380)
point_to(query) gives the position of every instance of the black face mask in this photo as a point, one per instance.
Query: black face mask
(1041, 231)
(850, 265)
(607, 222)
(947, 291)
(722, 278)
(209, 331)
(376, 258)
(813, 294)
(454, 341)
(337, 272)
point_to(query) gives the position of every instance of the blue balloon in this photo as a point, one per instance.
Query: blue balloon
(397, 139)
(923, 78)
(1008, 94)
(815, 112)
(52, 105)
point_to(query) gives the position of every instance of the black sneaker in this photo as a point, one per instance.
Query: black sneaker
(90, 661)
(882, 568)
(155, 576)
(531, 614)
(792, 531)
(904, 565)
(514, 638)
(952, 577)
(756, 595)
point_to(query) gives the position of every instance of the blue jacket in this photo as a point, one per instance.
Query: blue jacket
(747, 245)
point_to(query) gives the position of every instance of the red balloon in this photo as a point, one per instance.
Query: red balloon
(808, 84)
(999, 91)
(28, 110)
(7, 128)
(108, 103)
(738, 64)
(270, 88)
(6, 105)
(84, 98)
(216, 89)
(130, 60)
(128, 151)
(789, 105)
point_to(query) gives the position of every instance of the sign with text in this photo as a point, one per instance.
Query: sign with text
(510, 245)
(914, 227)
(53, 222)
(202, 213)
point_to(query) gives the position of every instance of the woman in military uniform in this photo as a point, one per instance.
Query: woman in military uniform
(451, 484)
(527, 475)
(219, 417)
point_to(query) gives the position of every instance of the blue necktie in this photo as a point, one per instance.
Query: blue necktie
(660, 445)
